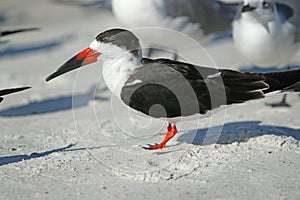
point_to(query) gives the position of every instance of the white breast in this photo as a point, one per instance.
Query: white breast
(138, 13)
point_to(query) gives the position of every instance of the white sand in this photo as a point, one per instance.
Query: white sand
(257, 156)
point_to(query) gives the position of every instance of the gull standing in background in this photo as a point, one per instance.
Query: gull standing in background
(267, 33)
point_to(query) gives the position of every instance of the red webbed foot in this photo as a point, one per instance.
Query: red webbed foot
(172, 130)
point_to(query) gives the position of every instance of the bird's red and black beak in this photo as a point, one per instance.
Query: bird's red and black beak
(83, 58)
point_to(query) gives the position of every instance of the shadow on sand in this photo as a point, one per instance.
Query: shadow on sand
(44, 46)
(53, 105)
(236, 132)
(18, 158)
(231, 132)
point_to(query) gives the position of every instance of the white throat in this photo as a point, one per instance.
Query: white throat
(117, 71)
(118, 64)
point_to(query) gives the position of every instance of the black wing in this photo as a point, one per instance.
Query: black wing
(183, 89)
(282, 81)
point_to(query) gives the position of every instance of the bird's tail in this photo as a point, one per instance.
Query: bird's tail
(285, 81)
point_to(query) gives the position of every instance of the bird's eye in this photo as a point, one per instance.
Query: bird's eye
(266, 5)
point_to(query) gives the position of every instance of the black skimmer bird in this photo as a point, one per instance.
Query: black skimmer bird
(267, 33)
(182, 90)
(13, 31)
(10, 91)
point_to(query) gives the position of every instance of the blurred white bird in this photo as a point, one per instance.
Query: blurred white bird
(195, 18)
(267, 32)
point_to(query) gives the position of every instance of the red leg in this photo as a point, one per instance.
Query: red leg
(172, 130)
